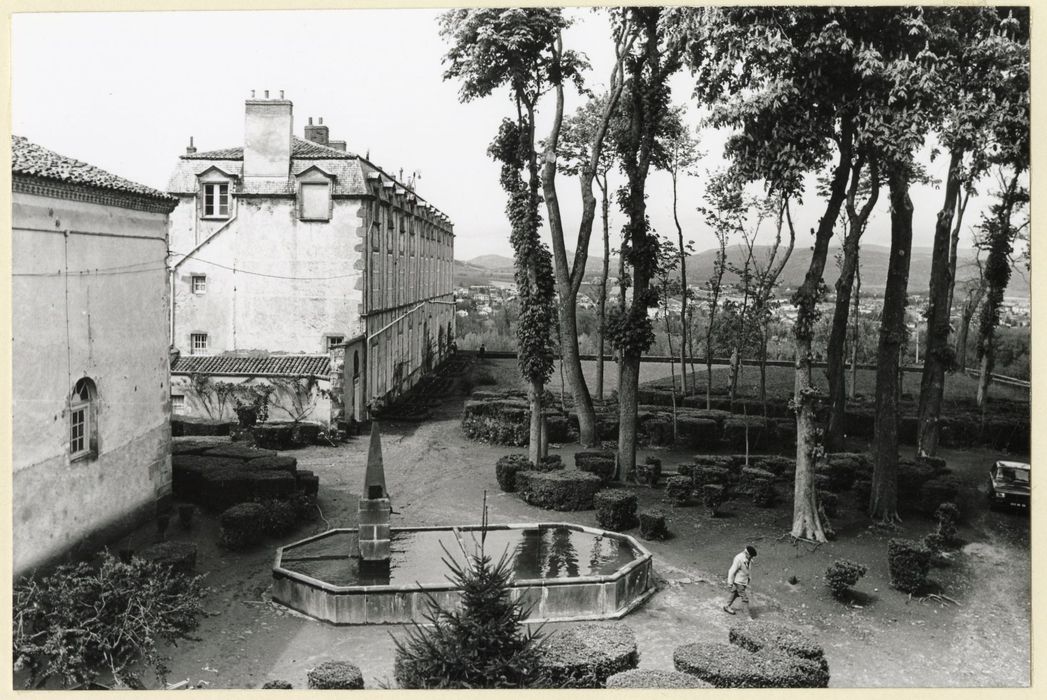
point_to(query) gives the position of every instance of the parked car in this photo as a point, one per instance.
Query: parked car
(1009, 483)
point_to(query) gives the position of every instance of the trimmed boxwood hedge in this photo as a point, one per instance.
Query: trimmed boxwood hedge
(908, 562)
(938, 490)
(652, 525)
(277, 685)
(650, 472)
(241, 526)
(499, 422)
(615, 509)
(236, 451)
(678, 489)
(697, 432)
(565, 489)
(763, 493)
(730, 666)
(841, 575)
(761, 432)
(657, 430)
(759, 635)
(187, 473)
(585, 656)
(713, 496)
(505, 470)
(655, 678)
(180, 556)
(335, 675)
(274, 463)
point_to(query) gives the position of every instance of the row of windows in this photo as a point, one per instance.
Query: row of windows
(198, 343)
(314, 201)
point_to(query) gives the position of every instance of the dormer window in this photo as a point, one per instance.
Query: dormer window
(314, 195)
(216, 200)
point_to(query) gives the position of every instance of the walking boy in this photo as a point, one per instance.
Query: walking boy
(738, 579)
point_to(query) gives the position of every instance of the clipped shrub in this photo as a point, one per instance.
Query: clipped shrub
(774, 637)
(912, 476)
(480, 643)
(713, 496)
(760, 432)
(678, 489)
(241, 526)
(549, 463)
(947, 515)
(763, 493)
(701, 433)
(650, 472)
(598, 462)
(653, 678)
(281, 517)
(938, 490)
(658, 430)
(585, 656)
(750, 476)
(908, 563)
(305, 509)
(307, 483)
(241, 452)
(335, 675)
(272, 484)
(830, 502)
(841, 575)
(187, 472)
(180, 557)
(190, 447)
(615, 509)
(652, 525)
(497, 421)
(582, 456)
(564, 490)
(839, 474)
(273, 436)
(277, 685)
(225, 487)
(731, 666)
(505, 470)
(711, 475)
(776, 464)
(276, 463)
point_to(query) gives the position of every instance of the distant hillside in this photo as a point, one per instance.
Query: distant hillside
(873, 261)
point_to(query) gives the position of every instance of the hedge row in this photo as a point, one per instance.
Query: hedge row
(585, 656)
(651, 678)
(563, 490)
(730, 666)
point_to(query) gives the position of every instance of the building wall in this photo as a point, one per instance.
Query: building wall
(293, 282)
(410, 292)
(107, 320)
(318, 405)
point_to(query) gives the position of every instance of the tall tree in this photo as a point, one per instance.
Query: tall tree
(569, 277)
(645, 105)
(576, 137)
(681, 155)
(864, 182)
(978, 55)
(491, 49)
(788, 82)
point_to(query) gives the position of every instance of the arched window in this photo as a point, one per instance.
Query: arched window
(82, 423)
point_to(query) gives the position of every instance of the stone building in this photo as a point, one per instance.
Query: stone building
(91, 416)
(290, 245)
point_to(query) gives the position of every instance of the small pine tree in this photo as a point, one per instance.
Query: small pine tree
(481, 643)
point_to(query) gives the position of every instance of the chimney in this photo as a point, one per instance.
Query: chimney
(190, 149)
(267, 137)
(337, 145)
(318, 133)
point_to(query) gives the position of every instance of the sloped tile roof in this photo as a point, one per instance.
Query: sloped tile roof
(348, 175)
(254, 366)
(300, 148)
(27, 158)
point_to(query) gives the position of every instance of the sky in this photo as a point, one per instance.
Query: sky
(125, 91)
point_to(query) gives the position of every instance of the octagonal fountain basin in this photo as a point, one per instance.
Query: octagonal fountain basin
(562, 571)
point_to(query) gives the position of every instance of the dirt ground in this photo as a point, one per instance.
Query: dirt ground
(435, 476)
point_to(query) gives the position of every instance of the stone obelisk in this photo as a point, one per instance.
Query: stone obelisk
(373, 537)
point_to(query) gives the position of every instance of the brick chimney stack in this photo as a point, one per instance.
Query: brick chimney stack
(317, 133)
(190, 149)
(268, 125)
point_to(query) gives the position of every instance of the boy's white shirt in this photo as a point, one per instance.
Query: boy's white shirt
(741, 564)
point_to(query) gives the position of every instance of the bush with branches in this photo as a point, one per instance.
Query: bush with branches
(841, 575)
(481, 643)
(84, 620)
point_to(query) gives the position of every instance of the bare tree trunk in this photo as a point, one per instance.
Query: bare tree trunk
(984, 377)
(954, 243)
(970, 307)
(534, 447)
(602, 308)
(683, 292)
(937, 355)
(806, 520)
(884, 500)
(856, 220)
(672, 367)
(855, 340)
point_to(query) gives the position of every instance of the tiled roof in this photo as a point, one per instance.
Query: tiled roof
(300, 148)
(348, 176)
(265, 366)
(27, 158)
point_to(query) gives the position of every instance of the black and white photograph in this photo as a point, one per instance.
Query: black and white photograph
(537, 347)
